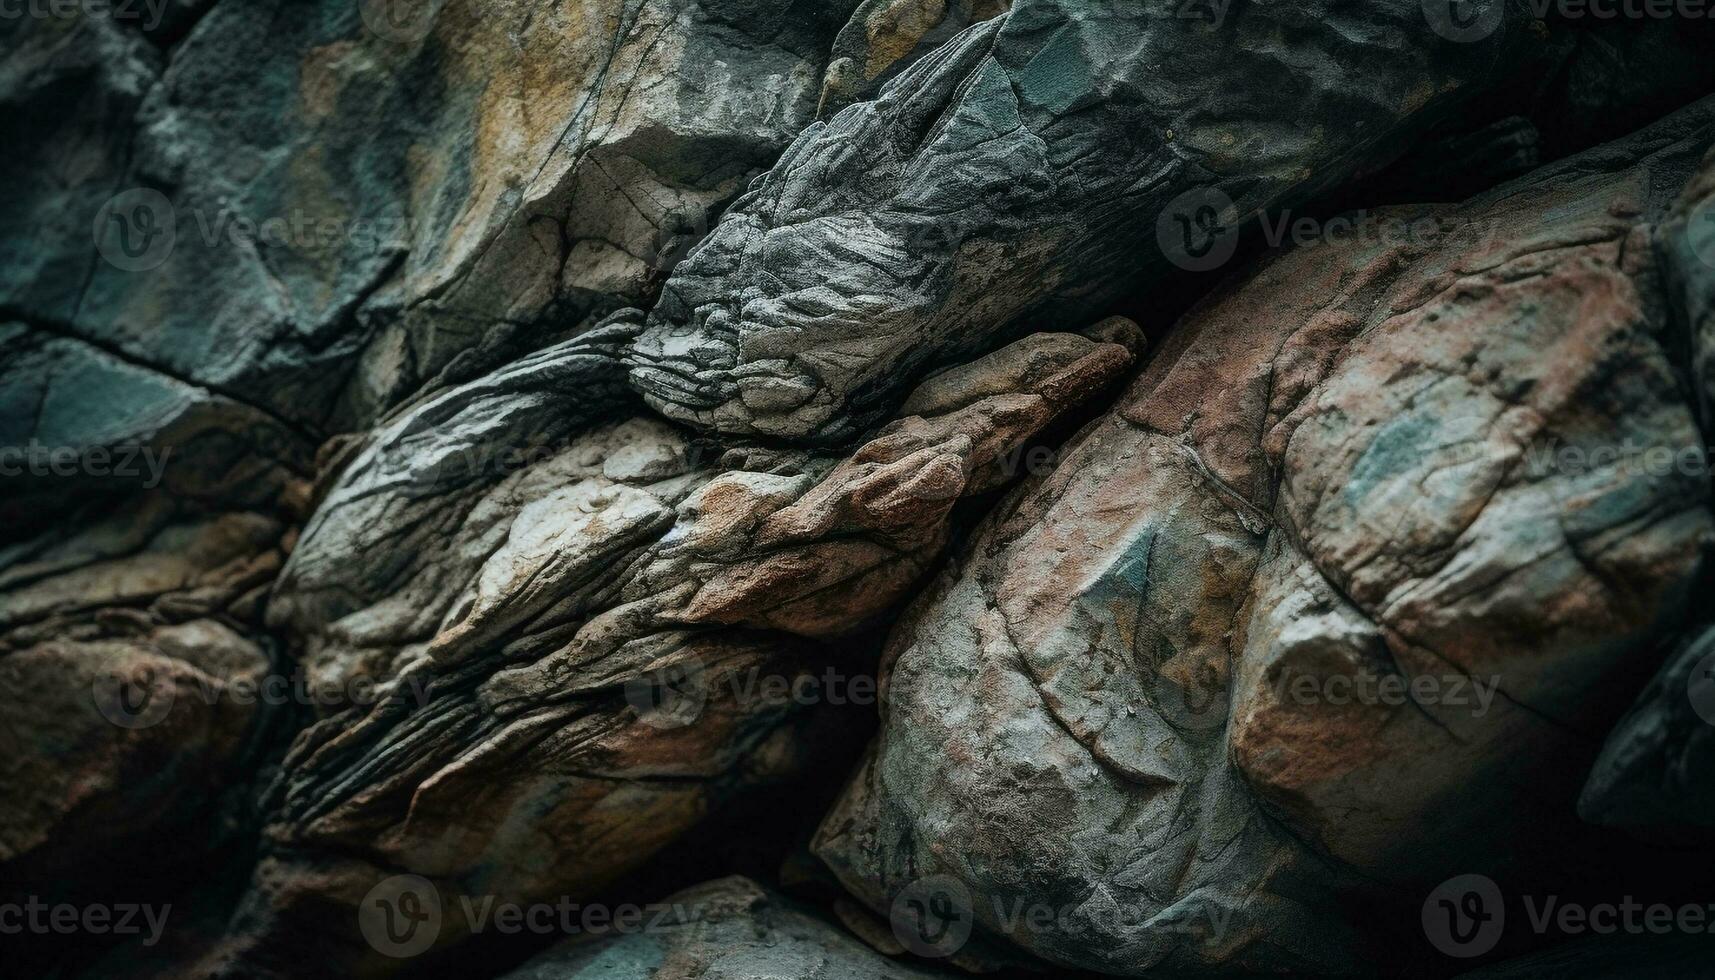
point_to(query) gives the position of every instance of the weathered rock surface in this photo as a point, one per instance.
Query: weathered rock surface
(403, 499)
(732, 929)
(130, 662)
(516, 621)
(1005, 175)
(884, 37)
(1428, 458)
(320, 209)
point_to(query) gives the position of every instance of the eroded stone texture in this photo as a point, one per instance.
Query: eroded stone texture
(320, 206)
(1020, 168)
(884, 37)
(1420, 456)
(120, 649)
(731, 929)
(512, 620)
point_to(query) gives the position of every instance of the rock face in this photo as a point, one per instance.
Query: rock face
(466, 456)
(1157, 691)
(1654, 770)
(730, 928)
(320, 211)
(131, 659)
(1003, 175)
(580, 641)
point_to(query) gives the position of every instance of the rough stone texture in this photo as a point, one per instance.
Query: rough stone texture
(884, 37)
(437, 409)
(731, 929)
(1655, 770)
(351, 208)
(513, 619)
(119, 651)
(1005, 175)
(1376, 456)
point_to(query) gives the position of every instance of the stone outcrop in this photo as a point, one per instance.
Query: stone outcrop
(1426, 461)
(579, 640)
(459, 456)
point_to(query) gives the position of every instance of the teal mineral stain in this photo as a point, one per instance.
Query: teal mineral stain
(1395, 450)
(1059, 75)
